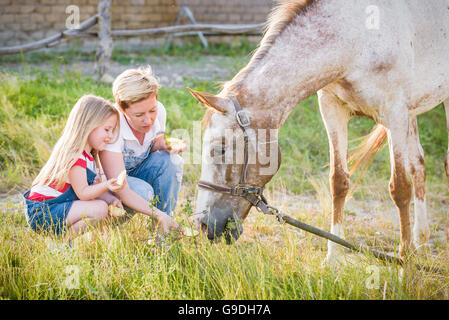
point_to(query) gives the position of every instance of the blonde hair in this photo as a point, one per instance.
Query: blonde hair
(134, 85)
(89, 113)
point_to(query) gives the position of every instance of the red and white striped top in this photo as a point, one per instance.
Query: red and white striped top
(40, 193)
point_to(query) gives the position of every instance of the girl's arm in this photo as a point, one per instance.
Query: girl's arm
(84, 191)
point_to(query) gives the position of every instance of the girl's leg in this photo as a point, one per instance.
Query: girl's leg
(85, 213)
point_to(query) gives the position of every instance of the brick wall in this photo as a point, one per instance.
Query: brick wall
(23, 21)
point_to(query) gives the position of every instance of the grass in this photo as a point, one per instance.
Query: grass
(121, 266)
(269, 261)
(191, 50)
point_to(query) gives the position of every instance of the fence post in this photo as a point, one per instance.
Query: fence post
(104, 50)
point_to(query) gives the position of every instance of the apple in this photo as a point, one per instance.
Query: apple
(116, 211)
(121, 178)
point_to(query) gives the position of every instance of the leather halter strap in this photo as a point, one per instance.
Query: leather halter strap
(251, 193)
(244, 123)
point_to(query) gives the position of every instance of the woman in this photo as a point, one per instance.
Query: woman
(153, 168)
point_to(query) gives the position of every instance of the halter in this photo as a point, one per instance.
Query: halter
(253, 194)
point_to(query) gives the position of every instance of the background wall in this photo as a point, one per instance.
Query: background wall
(23, 21)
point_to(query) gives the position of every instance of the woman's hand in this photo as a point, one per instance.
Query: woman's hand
(180, 149)
(161, 144)
(166, 224)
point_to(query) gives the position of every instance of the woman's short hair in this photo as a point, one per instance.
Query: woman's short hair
(134, 85)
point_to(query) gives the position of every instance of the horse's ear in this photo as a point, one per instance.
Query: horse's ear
(209, 100)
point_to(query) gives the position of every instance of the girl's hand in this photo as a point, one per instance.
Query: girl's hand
(113, 186)
(115, 202)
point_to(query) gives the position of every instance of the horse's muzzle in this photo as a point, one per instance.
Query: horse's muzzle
(220, 222)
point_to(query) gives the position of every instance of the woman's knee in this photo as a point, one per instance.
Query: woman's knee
(141, 187)
(177, 166)
(173, 166)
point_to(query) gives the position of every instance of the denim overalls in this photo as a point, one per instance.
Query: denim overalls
(50, 215)
(157, 173)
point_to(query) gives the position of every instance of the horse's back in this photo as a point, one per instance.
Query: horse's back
(407, 53)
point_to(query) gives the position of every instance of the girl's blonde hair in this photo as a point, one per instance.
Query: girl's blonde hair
(134, 85)
(89, 113)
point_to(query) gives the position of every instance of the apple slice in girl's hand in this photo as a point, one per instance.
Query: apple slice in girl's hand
(116, 211)
(121, 177)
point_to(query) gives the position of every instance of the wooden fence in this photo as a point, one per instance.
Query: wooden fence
(105, 35)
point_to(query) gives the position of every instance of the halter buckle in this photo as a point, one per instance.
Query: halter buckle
(242, 117)
(242, 190)
(238, 191)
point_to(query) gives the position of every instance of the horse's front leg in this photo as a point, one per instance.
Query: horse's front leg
(336, 118)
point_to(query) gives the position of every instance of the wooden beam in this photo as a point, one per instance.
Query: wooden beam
(224, 29)
(214, 29)
(53, 40)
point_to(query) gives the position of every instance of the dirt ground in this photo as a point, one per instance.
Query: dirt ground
(170, 71)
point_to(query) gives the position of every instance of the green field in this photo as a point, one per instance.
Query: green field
(268, 262)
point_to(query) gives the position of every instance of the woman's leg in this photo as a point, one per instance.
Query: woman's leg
(163, 172)
(85, 213)
(140, 187)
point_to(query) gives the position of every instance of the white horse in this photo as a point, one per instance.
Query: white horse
(387, 60)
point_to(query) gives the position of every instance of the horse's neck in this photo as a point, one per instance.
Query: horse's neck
(300, 62)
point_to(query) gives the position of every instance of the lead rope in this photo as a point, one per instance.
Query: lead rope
(261, 204)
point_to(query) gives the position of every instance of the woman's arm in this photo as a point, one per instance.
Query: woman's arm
(113, 164)
(83, 190)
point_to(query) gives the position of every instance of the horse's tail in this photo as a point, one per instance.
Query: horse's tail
(364, 154)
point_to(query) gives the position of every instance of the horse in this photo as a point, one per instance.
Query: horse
(390, 71)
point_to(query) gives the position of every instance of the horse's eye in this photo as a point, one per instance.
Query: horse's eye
(217, 151)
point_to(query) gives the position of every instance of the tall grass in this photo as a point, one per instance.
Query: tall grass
(121, 265)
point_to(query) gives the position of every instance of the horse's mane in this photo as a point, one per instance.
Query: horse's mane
(280, 17)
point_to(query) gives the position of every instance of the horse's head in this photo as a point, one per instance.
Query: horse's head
(240, 154)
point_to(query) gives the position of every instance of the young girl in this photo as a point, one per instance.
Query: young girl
(64, 196)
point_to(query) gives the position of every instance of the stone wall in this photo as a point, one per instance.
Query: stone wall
(23, 21)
